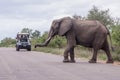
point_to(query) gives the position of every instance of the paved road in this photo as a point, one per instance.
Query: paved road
(32, 65)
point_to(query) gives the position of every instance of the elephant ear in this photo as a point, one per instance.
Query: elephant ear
(65, 26)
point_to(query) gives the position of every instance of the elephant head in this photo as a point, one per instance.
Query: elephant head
(58, 27)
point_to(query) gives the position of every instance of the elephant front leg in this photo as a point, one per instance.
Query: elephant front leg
(66, 59)
(93, 60)
(71, 42)
(66, 56)
(72, 55)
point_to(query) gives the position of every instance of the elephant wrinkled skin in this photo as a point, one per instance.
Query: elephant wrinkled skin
(87, 33)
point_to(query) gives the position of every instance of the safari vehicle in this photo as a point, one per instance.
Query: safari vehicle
(23, 41)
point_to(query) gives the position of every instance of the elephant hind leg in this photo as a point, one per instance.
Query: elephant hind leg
(107, 51)
(97, 44)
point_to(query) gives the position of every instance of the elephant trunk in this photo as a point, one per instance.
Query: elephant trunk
(46, 42)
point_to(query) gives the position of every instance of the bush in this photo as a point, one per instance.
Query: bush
(116, 40)
(7, 42)
(57, 42)
(116, 55)
(116, 34)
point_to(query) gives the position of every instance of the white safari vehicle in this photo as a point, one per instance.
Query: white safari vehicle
(23, 41)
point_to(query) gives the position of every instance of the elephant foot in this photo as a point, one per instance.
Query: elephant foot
(72, 61)
(66, 61)
(92, 61)
(110, 61)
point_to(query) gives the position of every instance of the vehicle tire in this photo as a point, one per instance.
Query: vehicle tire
(17, 48)
(29, 48)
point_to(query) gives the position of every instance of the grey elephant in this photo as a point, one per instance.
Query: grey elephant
(87, 33)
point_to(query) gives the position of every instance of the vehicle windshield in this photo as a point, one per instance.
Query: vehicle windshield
(22, 37)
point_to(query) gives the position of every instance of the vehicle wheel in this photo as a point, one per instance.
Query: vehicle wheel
(29, 49)
(17, 48)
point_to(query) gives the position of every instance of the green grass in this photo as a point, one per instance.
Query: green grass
(79, 53)
(56, 51)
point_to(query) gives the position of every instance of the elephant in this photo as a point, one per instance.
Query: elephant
(87, 33)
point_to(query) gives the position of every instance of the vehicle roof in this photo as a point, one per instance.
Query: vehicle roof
(23, 33)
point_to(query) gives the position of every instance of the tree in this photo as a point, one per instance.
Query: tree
(116, 34)
(42, 38)
(26, 30)
(116, 40)
(7, 42)
(116, 31)
(116, 21)
(36, 34)
(100, 15)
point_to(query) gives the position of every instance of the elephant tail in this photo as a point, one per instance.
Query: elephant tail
(110, 41)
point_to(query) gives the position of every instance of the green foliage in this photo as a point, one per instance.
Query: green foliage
(100, 15)
(116, 55)
(116, 34)
(57, 42)
(57, 51)
(116, 39)
(6, 42)
(26, 30)
(42, 38)
(36, 34)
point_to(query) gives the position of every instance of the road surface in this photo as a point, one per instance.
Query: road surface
(24, 65)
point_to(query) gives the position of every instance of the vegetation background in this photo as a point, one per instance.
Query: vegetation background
(57, 44)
